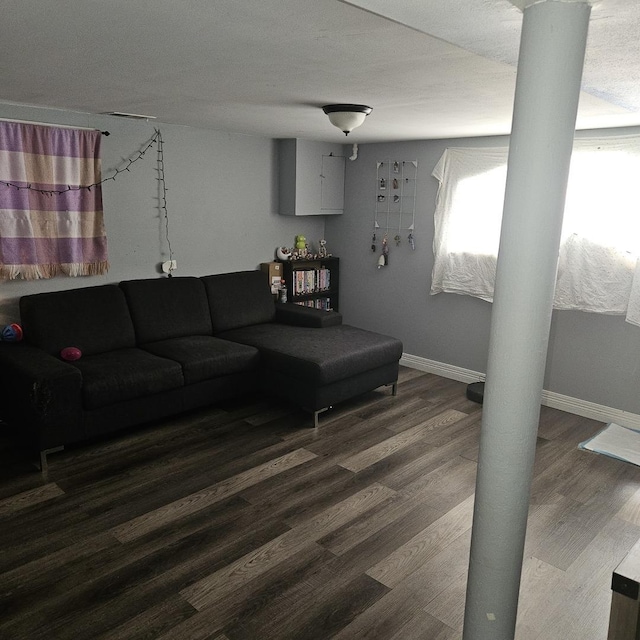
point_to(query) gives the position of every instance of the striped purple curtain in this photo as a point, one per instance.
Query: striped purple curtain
(51, 219)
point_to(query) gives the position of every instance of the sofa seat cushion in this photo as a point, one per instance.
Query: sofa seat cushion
(239, 299)
(164, 308)
(205, 357)
(319, 356)
(93, 319)
(125, 374)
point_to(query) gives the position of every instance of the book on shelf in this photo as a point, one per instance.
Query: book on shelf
(323, 304)
(308, 281)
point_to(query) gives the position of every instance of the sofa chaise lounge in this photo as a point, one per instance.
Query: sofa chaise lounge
(157, 347)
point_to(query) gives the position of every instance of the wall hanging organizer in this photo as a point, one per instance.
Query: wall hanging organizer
(395, 207)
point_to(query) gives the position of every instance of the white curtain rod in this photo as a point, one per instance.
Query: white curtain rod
(48, 124)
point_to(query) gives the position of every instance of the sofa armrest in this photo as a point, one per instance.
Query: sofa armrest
(300, 316)
(42, 395)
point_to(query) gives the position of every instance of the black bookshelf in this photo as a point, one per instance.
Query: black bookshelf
(313, 282)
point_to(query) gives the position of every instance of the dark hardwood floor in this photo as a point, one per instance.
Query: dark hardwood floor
(241, 522)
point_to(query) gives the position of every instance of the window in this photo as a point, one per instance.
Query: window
(598, 261)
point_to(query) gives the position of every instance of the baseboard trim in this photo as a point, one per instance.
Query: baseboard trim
(551, 399)
(441, 369)
(586, 409)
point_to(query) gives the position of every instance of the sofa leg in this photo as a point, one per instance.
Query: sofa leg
(394, 389)
(44, 466)
(316, 415)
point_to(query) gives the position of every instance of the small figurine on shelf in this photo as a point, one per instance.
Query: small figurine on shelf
(322, 248)
(301, 247)
(283, 254)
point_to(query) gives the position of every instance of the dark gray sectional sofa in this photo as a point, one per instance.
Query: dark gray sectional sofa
(155, 348)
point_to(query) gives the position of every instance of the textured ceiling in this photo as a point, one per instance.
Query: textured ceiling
(265, 67)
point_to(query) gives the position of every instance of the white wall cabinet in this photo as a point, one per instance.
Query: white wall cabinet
(311, 177)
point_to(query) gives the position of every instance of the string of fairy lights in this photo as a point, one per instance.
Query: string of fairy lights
(116, 172)
(126, 167)
(163, 187)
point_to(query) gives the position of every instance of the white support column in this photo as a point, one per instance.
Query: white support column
(547, 90)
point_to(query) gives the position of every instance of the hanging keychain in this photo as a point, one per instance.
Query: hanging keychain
(412, 242)
(385, 250)
(373, 242)
(397, 239)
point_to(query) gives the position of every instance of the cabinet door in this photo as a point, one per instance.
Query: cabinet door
(311, 177)
(332, 184)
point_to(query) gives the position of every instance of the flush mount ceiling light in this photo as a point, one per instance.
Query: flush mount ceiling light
(346, 116)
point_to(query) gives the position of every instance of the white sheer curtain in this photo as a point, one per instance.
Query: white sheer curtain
(599, 267)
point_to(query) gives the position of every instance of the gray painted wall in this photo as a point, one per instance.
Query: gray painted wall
(591, 357)
(222, 200)
(223, 217)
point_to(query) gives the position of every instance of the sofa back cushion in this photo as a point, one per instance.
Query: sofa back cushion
(239, 299)
(94, 319)
(163, 308)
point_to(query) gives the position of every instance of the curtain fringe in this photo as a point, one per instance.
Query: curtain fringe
(44, 271)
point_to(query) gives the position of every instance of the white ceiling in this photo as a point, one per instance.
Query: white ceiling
(265, 67)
